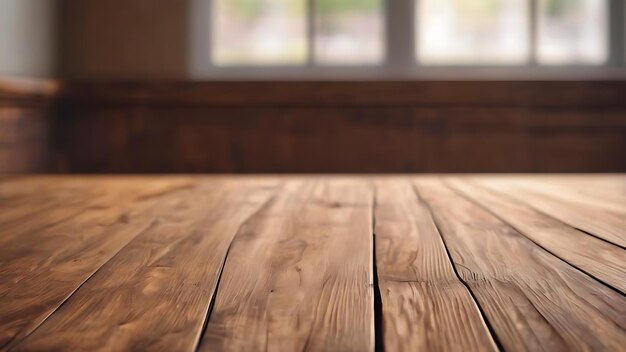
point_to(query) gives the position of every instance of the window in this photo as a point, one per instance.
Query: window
(259, 32)
(466, 32)
(572, 31)
(472, 31)
(275, 32)
(406, 38)
(348, 32)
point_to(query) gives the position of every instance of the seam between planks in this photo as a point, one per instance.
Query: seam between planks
(530, 205)
(549, 253)
(15, 340)
(379, 332)
(594, 236)
(549, 196)
(483, 316)
(209, 310)
(490, 211)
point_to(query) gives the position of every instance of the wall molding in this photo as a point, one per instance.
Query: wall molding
(352, 93)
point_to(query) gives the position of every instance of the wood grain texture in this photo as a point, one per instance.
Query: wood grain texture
(42, 263)
(425, 305)
(604, 223)
(567, 243)
(26, 123)
(299, 274)
(58, 200)
(610, 188)
(27, 92)
(598, 191)
(533, 300)
(165, 126)
(154, 294)
(186, 263)
(577, 94)
(116, 39)
(25, 136)
(171, 137)
(366, 127)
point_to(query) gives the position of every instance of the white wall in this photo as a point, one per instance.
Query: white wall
(28, 38)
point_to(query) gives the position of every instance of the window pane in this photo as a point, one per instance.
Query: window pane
(348, 31)
(259, 32)
(572, 31)
(452, 32)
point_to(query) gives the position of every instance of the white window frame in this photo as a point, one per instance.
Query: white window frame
(400, 61)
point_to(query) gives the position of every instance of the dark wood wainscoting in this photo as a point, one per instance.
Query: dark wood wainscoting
(343, 127)
(26, 108)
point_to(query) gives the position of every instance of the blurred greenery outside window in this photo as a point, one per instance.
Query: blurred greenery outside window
(572, 31)
(447, 32)
(276, 32)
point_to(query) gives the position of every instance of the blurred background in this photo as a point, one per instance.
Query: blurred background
(293, 86)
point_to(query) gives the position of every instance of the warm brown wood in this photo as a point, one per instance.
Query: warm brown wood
(299, 274)
(353, 93)
(425, 305)
(27, 92)
(567, 243)
(119, 39)
(155, 293)
(533, 300)
(42, 263)
(185, 263)
(603, 192)
(26, 119)
(392, 126)
(609, 188)
(173, 137)
(24, 138)
(22, 198)
(604, 223)
(59, 201)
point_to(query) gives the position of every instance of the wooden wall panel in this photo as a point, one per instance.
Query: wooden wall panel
(300, 127)
(26, 109)
(354, 93)
(313, 127)
(116, 39)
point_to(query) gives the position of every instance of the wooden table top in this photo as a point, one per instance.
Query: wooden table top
(331, 263)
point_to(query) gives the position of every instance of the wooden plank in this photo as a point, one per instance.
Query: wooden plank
(155, 293)
(589, 184)
(52, 201)
(610, 188)
(425, 306)
(40, 269)
(602, 190)
(286, 139)
(533, 300)
(587, 192)
(17, 207)
(577, 94)
(299, 274)
(598, 258)
(603, 223)
(15, 90)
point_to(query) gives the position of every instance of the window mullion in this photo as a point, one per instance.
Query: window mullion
(310, 13)
(400, 35)
(617, 35)
(533, 32)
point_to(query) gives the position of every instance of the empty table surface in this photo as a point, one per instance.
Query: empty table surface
(328, 263)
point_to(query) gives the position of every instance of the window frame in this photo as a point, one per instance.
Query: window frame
(399, 59)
